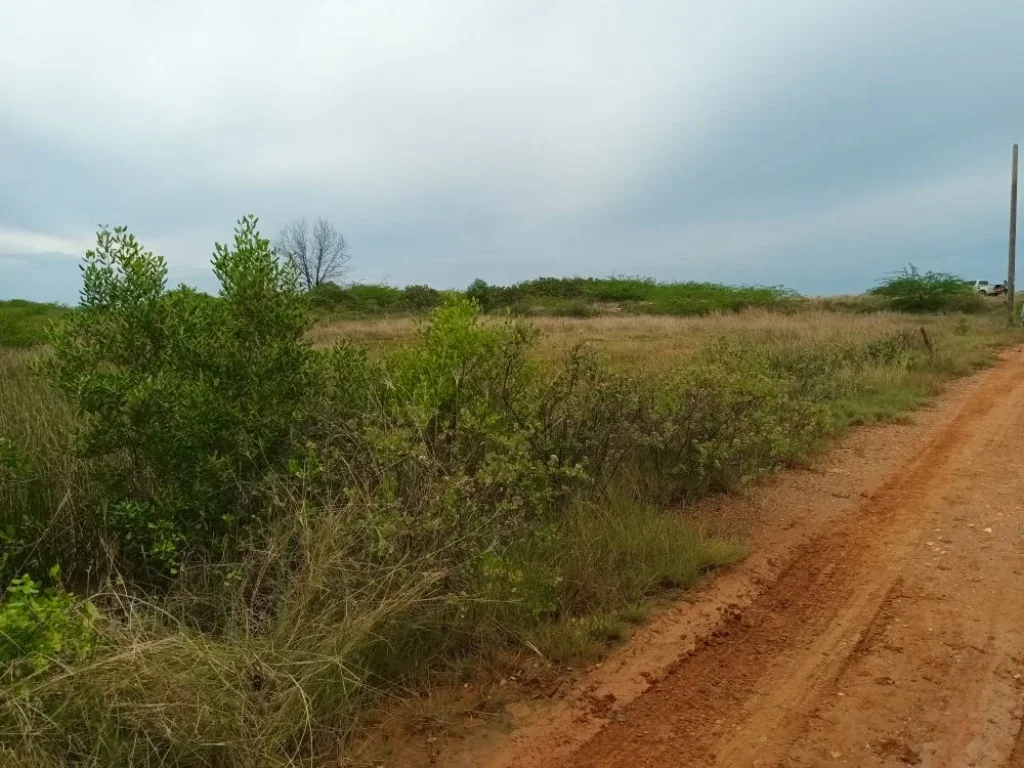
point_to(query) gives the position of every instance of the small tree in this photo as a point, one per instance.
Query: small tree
(320, 254)
(186, 399)
(480, 292)
(913, 291)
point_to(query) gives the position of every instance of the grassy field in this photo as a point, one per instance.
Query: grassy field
(229, 536)
(195, 670)
(644, 343)
(22, 323)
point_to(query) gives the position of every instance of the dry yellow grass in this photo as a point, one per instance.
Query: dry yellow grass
(645, 342)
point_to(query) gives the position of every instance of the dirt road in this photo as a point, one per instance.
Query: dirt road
(892, 634)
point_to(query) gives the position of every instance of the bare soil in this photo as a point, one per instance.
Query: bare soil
(878, 621)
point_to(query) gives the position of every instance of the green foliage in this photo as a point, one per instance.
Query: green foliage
(24, 323)
(728, 419)
(326, 296)
(187, 400)
(40, 627)
(302, 531)
(913, 291)
(566, 297)
(481, 293)
(365, 300)
(420, 297)
(584, 296)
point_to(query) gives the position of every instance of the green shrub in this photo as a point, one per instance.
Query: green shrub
(420, 297)
(726, 420)
(40, 627)
(327, 296)
(374, 298)
(361, 299)
(479, 292)
(913, 291)
(187, 400)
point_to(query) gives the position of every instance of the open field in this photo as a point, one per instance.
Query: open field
(231, 539)
(649, 343)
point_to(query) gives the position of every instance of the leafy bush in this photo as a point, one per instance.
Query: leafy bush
(326, 296)
(420, 297)
(480, 292)
(582, 296)
(187, 400)
(913, 291)
(40, 627)
(367, 300)
(727, 420)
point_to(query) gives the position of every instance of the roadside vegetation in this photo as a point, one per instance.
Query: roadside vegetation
(23, 323)
(226, 538)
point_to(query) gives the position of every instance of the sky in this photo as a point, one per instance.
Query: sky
(817, 145)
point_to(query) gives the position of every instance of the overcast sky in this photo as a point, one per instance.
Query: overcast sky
(798, 142)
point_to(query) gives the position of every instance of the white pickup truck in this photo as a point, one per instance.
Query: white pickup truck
(983, 286)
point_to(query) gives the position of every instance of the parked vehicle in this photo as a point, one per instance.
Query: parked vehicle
(988, 289)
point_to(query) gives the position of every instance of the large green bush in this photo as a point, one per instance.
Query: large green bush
(187, 400)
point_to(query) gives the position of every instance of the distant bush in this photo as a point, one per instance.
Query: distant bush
(420, 297)
(568, 296)
(913, 291)
(369, 300)
(373, 298)
(326, 296)
(24, 323)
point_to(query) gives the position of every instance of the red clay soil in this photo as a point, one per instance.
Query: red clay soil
(879, 620)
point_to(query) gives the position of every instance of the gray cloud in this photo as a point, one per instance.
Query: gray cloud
(817, 145)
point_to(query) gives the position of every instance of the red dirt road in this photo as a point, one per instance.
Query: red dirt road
(891, 634)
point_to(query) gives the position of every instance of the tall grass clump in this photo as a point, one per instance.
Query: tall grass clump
(222, 545)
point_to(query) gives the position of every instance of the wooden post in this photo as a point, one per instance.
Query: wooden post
(1012, 263)
(928, 344)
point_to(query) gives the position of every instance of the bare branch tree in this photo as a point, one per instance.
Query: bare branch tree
(320, 254)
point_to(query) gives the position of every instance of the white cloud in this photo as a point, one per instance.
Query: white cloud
(21, 242)
(539, 107)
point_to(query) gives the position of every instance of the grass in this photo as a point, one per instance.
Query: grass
(272, 657)
(649, 344)
(41, 477)
(22, 323)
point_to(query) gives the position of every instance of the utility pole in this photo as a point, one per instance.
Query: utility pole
(1012, 265)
